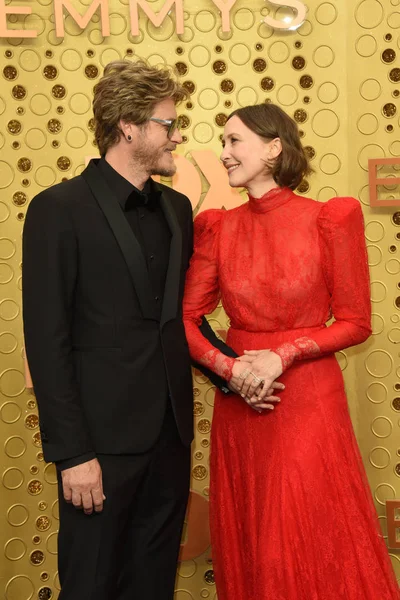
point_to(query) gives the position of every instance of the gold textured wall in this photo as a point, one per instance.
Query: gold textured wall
(336, 75)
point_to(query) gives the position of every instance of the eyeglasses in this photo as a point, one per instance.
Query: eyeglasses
(172, 124)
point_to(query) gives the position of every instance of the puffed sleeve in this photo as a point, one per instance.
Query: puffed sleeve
(344, 259)
(202, 293)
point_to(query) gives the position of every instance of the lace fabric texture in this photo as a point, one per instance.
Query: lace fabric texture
(292, 517)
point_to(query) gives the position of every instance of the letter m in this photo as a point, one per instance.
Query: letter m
(81, 20)
(158, 18)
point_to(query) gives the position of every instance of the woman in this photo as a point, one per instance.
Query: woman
(292, 516)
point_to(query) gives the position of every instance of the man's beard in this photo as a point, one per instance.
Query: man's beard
(152, 163)
(164, 171)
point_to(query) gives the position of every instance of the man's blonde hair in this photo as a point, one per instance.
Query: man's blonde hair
(130, 91)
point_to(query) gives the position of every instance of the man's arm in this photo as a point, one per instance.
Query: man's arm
(49, 279)
(215, 379)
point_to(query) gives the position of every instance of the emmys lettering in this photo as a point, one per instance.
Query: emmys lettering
(157, 19)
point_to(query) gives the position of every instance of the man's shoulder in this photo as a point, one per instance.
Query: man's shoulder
(66, 192)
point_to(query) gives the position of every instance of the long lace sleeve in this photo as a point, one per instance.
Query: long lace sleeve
(344, 259)
(202, 293)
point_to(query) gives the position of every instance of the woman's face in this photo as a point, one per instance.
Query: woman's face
(246, 155)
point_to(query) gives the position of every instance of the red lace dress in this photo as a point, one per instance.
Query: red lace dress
(292, 516)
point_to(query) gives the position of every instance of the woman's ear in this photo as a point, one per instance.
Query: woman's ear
(275, 148)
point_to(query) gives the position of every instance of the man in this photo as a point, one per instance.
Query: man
(105, 256)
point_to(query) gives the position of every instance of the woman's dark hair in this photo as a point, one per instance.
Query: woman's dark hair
(270, 122)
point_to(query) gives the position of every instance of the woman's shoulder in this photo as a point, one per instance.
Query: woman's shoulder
(339, 210)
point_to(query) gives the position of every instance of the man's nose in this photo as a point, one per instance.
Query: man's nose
(176, 137)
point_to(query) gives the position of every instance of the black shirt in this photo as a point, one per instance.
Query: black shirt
(145, 216)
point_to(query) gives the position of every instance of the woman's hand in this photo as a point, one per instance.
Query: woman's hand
(265, 367)
(240, 371)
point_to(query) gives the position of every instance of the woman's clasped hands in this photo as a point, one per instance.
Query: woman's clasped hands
(254, 377)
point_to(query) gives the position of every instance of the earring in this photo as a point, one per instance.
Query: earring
(129, 138)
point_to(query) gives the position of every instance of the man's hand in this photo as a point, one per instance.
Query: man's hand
(83, 486)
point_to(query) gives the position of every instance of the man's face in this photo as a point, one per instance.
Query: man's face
(153, 149)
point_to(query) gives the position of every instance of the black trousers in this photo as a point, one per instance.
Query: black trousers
(130, 550)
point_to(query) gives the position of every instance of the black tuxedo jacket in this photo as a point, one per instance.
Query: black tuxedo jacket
(103, 362)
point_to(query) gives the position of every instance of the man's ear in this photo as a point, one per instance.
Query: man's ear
(126, 129)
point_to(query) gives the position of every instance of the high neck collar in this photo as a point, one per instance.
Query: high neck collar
(272, 199)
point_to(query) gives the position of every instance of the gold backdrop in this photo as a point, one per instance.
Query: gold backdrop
(336, 75)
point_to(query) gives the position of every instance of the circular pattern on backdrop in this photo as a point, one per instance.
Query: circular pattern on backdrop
(205, 21)
(328, 92)
(370, 89)
(9, 310)
(79, 103)
(8, 342)
(393, 266)
(374, 231)
(393, 20)
(20, 587)
(208, 99)
(6, 174)
(4, 212)
(383, 492)
(40, 104)
(6, 273)
(306, 28)
(394, 335)
(10, 412)
(377, 392)
(369, 14)
(17, 515)
(378, 291)
(12, 383)
(374, 255)
(369, 151)
(382, 427)
(12, 478)
(15, 446)
(71, 59)
(330, 164)
(287, 95)
(240, 54)
(199, 56)
(76, 137)
(108, 55)
(366, 46)
(367, 124)
(118, 25)
(326, 193)
(45, 176)
(379, 363)
(35, 138)
(36, 22)
(326, 13)
(243, 19)
(278, 52)
(325, 123)
(379, 457)
(29, 60)
(323, 56)
(203, 133)
(246, 96)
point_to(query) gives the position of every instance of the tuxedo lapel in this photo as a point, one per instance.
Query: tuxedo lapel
(174, 272)
(126, 239)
